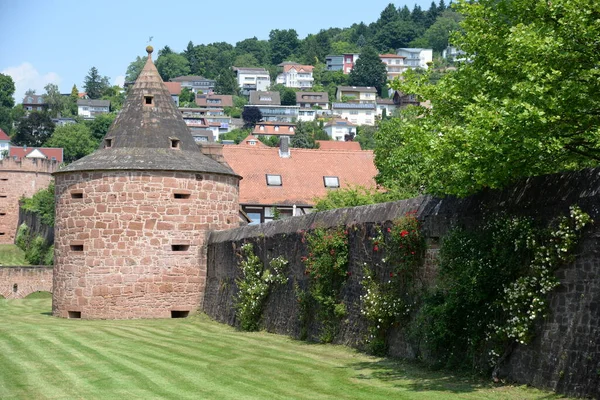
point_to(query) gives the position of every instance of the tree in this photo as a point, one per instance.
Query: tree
(365, 135)
(7, 90)
(99, 126)
(369, 70)
(437, 35)
(528, 103)
(134, 68)
(34, 129)
(94, 84)
(172, 65)
(283, 44)
(237, 135)
(226, 83)
(71, 103)
(116, 95)
(56, 101)
(75, 139)
(251, 115)
(302, 138)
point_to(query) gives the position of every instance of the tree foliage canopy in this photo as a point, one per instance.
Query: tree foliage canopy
(527, 104)
(94, 84)
(34, 129)
(75, 139)
(369, 70)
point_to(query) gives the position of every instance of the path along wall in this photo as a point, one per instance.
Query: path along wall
(19, 282)
(565, 355)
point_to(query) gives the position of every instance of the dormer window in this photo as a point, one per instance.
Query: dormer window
(331, 181)
(252, 142)
(148, 100)
(107, 143)
(175, 143)
(274, 180)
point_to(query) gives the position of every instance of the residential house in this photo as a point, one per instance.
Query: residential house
(196, 83)
(338, 129)
(174, 90)
(4, 144)
(34, 102)
(334, 62)
(201, 119)
(312, 100)
(402, 100)
(454, 54)
(253, 141)
(202, 135)
(45, 153)
(267, 129)
(388, 105)
(288, 180)
(296, 76)
(269, 104)
(394, 65)
(356, 113)
(348, 145)
(416, 57)
(214, 100)
(250, 79)
(357, 94)
(88, 109)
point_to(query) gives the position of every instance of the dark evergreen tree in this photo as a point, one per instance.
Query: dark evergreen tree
(34, 130)
(369, 70)
(227, 83)
(94, 84)
(302, 139)
(283, 44)
(251, 115)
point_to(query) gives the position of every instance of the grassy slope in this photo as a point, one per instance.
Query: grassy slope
(42, 357)
(11, 255)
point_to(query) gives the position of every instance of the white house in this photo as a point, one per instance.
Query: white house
(394, 65)
(250, 79)
(357, 113)
(338, 128)
(416, 57)
(88, 109)
(296, 76)
(4, 144)
(359, 94)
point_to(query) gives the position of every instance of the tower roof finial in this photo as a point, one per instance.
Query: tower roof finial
(149, 50)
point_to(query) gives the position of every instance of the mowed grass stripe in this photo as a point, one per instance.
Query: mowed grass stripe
(198, 358)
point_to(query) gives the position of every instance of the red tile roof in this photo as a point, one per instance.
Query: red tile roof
(249, 139)
(174, 87)
(301, 174)
(49, 152)
(3, 135)
(268, 128)
(298, 67)
(338, 145)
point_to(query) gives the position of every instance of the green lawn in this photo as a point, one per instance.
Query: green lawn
(42, 357)
(11, 255)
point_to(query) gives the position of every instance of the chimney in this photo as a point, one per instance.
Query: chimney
(214, 151)
(284, 147)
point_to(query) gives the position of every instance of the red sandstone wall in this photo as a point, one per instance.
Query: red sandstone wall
(127, 223)
(18, 282)
(18, 179)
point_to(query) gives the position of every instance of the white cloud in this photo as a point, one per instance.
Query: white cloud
(26, 77)
(119, 80)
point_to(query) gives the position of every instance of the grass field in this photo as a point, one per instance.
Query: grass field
(42, 357)
(11, 255)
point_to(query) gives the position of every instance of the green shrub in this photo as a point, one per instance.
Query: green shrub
(42, 203)
(22, 238)
(36, 251)
(255, 285)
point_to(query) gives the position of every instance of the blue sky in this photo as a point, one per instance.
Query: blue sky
(58, 41)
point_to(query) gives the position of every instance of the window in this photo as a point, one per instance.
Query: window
(353, 112)
(274, 180)
(180, 247)
(175, 143)
(76, 247)
(331, 181)
(148, 100)
(252, 142)
(78, 194)
(107, 143)
(181, 195)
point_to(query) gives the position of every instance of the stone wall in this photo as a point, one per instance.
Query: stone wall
(36, 226)
(19, 282)
(564, 356)
(17, 179)
(130, 244)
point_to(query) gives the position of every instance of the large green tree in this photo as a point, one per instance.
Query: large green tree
(34, 129)
(527, 104)
(76, 141)
(226, 83)
(134, 68)
(172, 65)
(7, 90)
(283, 44)
(99, 126)
(369, 70)
(94, 84)
(57, 103)
(251, 115)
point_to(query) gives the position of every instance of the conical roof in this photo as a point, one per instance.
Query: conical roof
(149, 134)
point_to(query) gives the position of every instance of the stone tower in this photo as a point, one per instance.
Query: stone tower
(132, 217)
